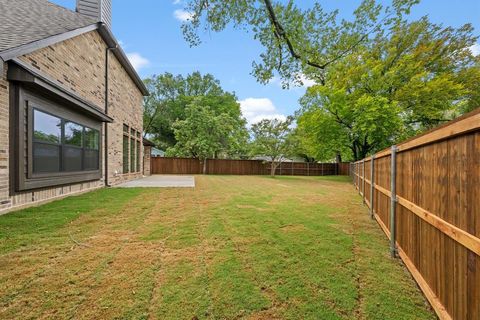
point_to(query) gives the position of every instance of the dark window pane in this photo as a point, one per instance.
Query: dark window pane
(46, 158)
(125, 154)
(72, 159)
(138, 156)
(138, 134)
(46, 127)
(92, 139)
(132, 155)
(125, 128)
(73, 134)
(91, 160)
(132, 132)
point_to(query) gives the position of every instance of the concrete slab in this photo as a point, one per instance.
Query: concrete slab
(160, 181)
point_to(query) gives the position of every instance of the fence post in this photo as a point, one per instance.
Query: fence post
(357, 171)
(372, 185)
(393, 201)
(308, 169)
(364, 182)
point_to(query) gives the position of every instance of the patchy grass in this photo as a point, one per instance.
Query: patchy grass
(232, 248)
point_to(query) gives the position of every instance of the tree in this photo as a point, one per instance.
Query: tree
(297, 41)
(169, 97)
(392, 87)
(205, 134)
(271, 138)
(381, 77)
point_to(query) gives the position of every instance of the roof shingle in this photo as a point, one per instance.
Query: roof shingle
(26, 21)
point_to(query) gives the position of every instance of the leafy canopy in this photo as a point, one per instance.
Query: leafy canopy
(175, 99)
(204, 134)
(271, 138)
(296, 41)
(380, 76)
(391, 87)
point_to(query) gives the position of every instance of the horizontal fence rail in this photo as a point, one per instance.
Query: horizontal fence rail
(425, 195)
(161, 165)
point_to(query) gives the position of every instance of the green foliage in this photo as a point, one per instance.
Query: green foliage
(296, 41)
(381, 76)
(390, 88)
(272, 138)
(169, 100)
(209, 133)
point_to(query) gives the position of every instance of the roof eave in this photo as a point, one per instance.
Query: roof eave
(104, 32)
(112, 42)
(13, 53)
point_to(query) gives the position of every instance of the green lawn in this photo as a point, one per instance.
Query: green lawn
(232, 248)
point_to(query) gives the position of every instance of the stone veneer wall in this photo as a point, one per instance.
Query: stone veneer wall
(79, 65)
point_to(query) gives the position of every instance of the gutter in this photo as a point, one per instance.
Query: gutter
(107, 51)
(109, 38)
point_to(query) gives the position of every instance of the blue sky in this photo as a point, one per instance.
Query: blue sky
(149, 31)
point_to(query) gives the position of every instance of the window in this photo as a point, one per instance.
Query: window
(138, 155)
(92, 147)
(55, 134)
(132, 155)
(126, 167)
(131, 149)
(61, 145)
(47, 134)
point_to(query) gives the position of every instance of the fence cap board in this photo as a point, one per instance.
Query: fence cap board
(461, 125)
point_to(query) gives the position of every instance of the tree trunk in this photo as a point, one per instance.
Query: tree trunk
(273, 167)
(205, 166)
(339, 157)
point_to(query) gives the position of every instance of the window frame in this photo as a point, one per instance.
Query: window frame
(26, 102)
(134, 139)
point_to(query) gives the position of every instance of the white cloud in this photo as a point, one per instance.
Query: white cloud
(182, 15)
(475, 49)
(175, 2)
(256, 109)
(137, 61)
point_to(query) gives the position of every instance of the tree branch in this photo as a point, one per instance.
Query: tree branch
(278, 29)
(280, 32)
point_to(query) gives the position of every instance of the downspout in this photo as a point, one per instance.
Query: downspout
(107, 50)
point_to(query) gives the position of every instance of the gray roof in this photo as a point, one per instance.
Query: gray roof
(28, 25)
(26, 21)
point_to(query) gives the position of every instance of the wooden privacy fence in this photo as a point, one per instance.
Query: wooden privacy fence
(425, 195)
(160, 165)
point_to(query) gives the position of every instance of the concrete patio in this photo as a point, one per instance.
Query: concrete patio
(161, 181)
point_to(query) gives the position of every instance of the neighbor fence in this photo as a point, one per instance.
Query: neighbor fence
(161, 165)
(425, 195)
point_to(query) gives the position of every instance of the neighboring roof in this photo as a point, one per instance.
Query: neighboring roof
(29, 25)
(157, 152)
(148, 143)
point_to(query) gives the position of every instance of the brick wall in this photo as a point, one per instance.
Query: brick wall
(147, 156)
(4, 136)
(79, 65)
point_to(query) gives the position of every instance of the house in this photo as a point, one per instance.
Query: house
(70, 102)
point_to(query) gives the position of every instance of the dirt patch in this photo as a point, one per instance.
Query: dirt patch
(248, 206)
(293, 228)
